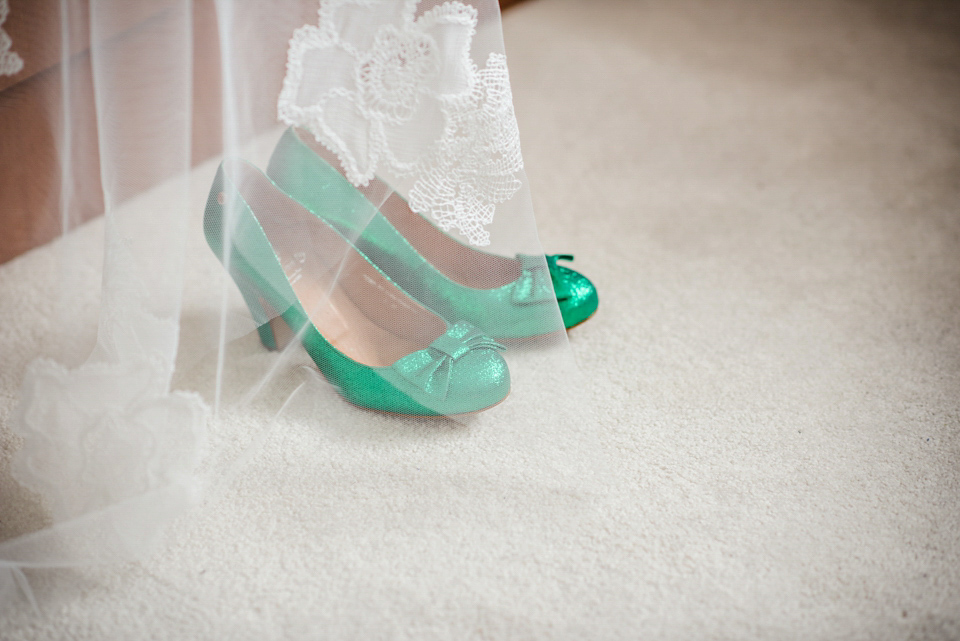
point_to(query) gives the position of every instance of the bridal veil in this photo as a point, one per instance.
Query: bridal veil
(156, 395)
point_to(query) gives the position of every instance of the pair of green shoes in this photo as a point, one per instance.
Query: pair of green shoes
(369, 290)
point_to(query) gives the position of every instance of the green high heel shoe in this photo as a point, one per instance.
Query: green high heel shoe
(507, 298)
(381, 348)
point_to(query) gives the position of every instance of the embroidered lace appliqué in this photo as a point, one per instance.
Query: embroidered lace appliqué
(111, 429)
(404, 97)
(100, 434)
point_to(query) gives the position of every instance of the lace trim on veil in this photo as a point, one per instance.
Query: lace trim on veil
(111, 449)
(110, 429)
(402, 96)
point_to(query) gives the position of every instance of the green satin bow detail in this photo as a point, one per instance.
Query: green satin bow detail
(559, 285)
(537, 281)
(430, 368)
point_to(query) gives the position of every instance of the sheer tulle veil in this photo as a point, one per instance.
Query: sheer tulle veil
(323, 127)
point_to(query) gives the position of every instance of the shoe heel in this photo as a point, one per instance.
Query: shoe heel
(274, 332)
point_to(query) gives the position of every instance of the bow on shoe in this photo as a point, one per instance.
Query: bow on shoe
(537, 282)
(430, 369)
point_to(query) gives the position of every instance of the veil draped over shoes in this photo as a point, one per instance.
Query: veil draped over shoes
(373, 147)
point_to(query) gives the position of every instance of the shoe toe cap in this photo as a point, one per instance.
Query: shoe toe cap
(576, 295)
(480, 379)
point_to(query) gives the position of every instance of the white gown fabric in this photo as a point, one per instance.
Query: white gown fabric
(411, 99)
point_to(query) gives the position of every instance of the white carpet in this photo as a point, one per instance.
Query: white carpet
(767, 194)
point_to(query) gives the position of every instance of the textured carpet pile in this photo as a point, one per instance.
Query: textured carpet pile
(767, 194)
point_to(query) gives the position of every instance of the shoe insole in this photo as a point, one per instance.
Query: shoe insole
(458, 262)
(347, 299)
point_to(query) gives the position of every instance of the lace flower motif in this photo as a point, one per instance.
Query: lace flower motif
(473, 167)
(10, 62)
(103, 433)
(392, 93)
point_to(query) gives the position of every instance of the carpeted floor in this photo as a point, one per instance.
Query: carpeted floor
(767, 194)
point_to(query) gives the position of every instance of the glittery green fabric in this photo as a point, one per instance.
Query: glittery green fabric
(461, 372)
(576, 295)
(520, 309)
